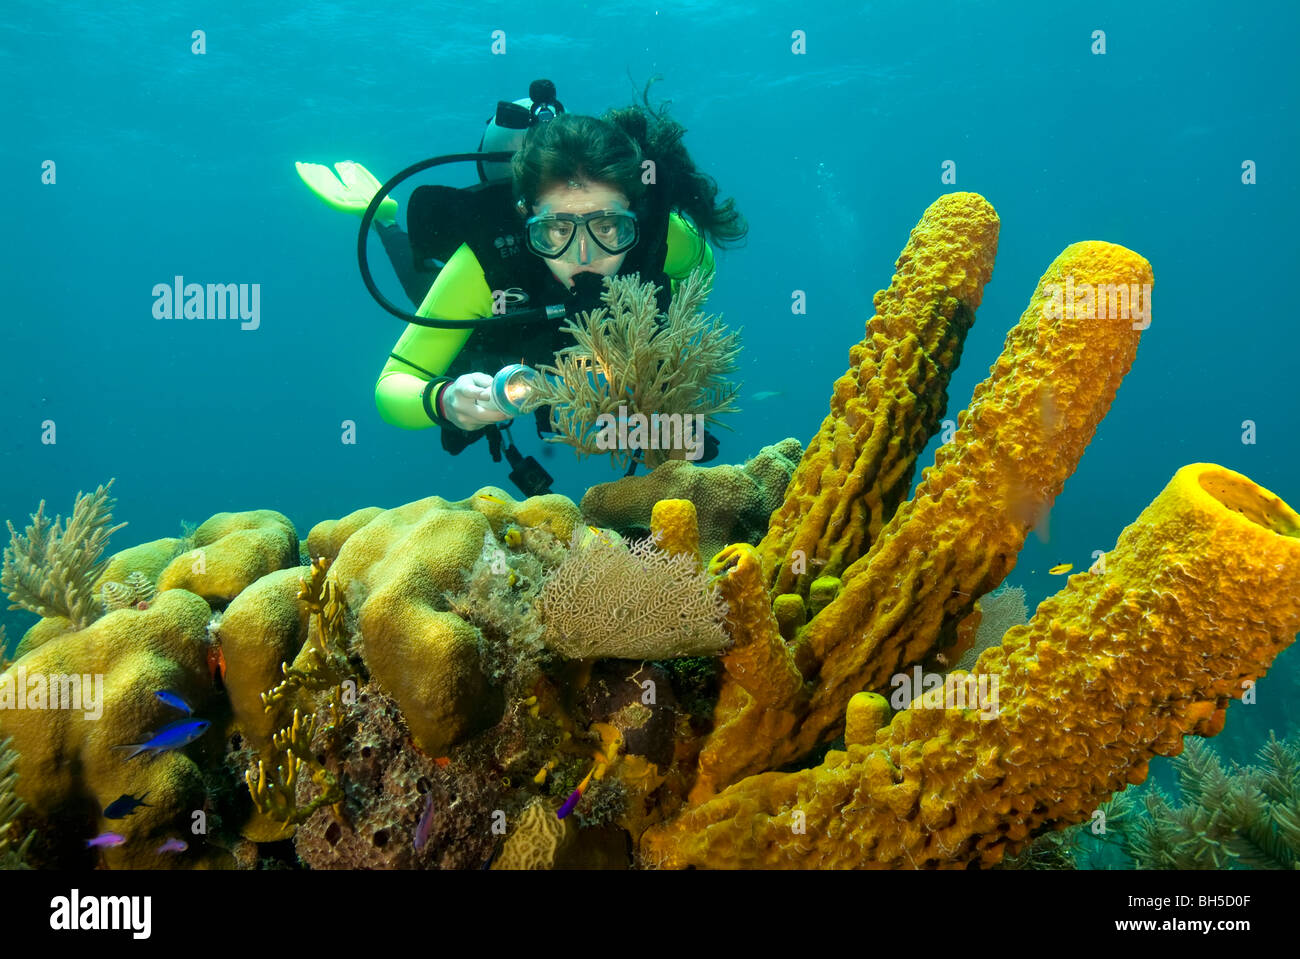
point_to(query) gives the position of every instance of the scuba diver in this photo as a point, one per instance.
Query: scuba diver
(563, 201)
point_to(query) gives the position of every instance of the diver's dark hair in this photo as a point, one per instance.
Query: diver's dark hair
(611, 150)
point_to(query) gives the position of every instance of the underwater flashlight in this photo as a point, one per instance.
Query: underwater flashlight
(512, 387)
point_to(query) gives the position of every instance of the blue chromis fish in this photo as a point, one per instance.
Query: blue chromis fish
(104, 840)
(174, 701)
(173, 736)
(766, 395)
(123, 806)
(172, 845)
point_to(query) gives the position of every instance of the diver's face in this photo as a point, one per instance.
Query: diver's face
(582, 256)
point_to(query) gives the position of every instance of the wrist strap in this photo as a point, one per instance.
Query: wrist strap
(432, 399)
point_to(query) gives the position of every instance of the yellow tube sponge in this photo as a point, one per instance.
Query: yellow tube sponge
(858, 467)
(674, 525)
(761, 700)
(867, 713)
(1019, 441)
(1195, 601)
(231, 551)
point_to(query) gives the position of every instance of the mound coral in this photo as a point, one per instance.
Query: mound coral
(732, 503)
(230, 551)
(69, 767)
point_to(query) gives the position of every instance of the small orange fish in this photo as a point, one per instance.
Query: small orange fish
(1061, 568)
(442, 762)
(492, 499)
(216, 662)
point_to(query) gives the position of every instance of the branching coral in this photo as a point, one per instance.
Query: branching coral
(51, 569)
(626, 356)
(613, 601)
(274, 786)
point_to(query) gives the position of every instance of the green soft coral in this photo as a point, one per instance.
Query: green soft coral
(627, 358)
(12, 850)
(51, 568)
(1225, 817)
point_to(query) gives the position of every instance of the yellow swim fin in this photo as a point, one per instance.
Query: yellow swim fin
(351, 191)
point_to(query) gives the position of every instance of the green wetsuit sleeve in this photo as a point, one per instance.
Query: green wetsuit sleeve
(687, 249)
(423, 353)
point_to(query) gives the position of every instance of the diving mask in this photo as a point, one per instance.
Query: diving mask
(552, 234)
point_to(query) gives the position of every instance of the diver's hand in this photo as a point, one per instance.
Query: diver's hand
(467, 402)
(351, 191)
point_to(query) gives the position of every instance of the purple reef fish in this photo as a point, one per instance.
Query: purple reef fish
(104, 840)
(173, 736)
(174, 701)
(425, 825)
(173, 845)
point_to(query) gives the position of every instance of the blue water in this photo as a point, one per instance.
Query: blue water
(174, 163)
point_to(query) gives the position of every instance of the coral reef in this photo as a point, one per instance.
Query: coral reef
(609, 600)
(628, 361)
(106, 677)
(447, 684)
(388, 785)
(51, 568)
(959, 535)
(732, 503)
(1194, 601)
(230, 551)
